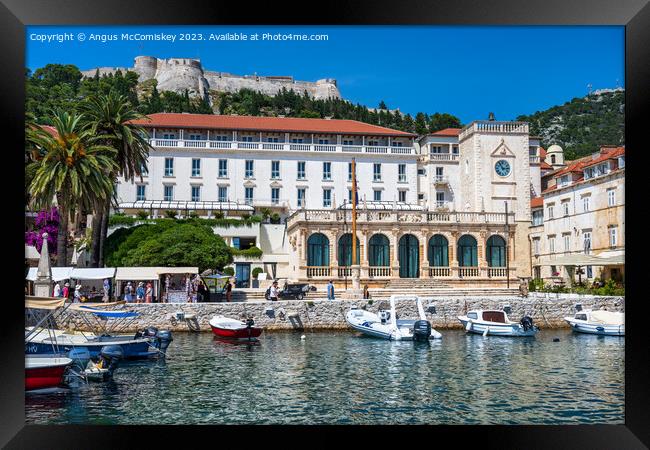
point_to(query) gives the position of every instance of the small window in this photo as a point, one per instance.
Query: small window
(301, 198)
(248, 195)
(223, 168)
(401, 173)
(275, 195)
(327, 171)
(327, 198)
(275, 169)
(196, 167)
(611, 197)
(223, 193)
(376, 172)
(377, 195)
(402, 196)
(141, 191)
(196, 193)
(169, 193)
(169, 167)
(250, 165)
(301, 170)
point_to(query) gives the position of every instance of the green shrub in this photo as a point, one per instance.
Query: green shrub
(193, 215)
(218, 215)
(257, 271)
(275, 218)
(252, 252)
(228, 271)
(142, 214)
(120, 219)
(171, 214)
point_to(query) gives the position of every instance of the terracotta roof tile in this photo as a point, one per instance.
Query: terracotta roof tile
(270, 124)
(447, 132)
(605, 154)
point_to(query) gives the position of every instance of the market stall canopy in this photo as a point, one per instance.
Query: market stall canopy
(581, 259)
(150, 273)
(58, 273)
(44, 302)
(93, 273)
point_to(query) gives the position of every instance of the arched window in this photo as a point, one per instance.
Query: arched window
(318, 250)
(467, 251)
(496, 251)
(552, 159)
(379, 251)
(438, 251)
(345, 250)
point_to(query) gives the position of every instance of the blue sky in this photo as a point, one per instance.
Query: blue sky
(465, 71)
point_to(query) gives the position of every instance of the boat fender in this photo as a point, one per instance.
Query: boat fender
(468, 327)
(487, 329)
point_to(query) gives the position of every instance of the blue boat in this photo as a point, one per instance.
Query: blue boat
(142, 345)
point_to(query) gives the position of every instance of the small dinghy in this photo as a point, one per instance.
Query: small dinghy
(385, 325)
(225, 327)
(496, 323)
(43, 372)
(604, 323)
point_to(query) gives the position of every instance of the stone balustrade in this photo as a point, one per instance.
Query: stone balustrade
(493, 126)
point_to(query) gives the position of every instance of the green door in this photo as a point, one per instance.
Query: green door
(409, 257)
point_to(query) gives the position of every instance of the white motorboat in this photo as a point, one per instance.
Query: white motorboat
(385, 325)
(496, 323)
(605, 323)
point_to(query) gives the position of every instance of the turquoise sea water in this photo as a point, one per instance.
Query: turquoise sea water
(341, 378)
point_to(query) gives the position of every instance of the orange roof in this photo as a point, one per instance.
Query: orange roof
(536, 202)
(542, 153)
(270, 124)
(605, 154)
(447, 132)
(545, 165)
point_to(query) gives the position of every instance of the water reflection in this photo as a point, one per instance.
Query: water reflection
(343, 378)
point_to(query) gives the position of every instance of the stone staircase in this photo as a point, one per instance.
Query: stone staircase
(416, 283)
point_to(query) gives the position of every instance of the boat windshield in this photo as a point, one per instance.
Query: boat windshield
(472, 315)
(494, 316)
(581, 316)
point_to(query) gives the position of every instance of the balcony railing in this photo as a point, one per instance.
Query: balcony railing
(235, 145)
(397, 216)
(377, 272)
(443, 156)
(497, 272)
(493, 126)
(439, 272)
(344, 272)
(441, 179)
(469, 272)
(318, 271)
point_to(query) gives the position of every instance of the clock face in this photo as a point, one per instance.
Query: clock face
(502, 168)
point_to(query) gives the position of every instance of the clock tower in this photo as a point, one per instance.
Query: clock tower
(495, 170)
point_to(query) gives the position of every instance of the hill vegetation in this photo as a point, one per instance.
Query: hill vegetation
(582, 125)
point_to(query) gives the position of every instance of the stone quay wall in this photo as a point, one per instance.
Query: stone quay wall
(547, 311)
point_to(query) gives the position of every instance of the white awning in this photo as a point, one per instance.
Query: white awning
(89, 273)
(150, 273)
(580, 259)
(31, 252)
(58, 273)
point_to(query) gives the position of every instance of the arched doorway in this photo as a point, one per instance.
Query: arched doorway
(318, 250)
(409, 257)
(496, 251)
(438, 251)
(345, 250)
(467, 251)
(379, 251)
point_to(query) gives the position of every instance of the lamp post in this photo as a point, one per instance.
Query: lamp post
(355, 292)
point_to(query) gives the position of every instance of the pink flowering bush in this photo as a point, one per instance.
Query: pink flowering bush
(45, 222)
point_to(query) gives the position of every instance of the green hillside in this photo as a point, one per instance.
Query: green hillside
(582, 125)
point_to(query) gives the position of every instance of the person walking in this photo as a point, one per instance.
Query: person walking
(273, 295)
(228, 290)
(139, 293)
(66, 291)
(366, 293)
(128, 292)
(201, 291)
(77, 293)
(330, 290)
(107, 290)
(148, 293)
(57, 290)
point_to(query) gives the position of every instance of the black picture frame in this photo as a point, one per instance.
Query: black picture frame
(633, 14)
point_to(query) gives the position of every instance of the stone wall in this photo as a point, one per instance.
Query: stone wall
(547, 310)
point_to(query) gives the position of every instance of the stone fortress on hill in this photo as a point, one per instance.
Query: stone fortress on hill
(179, 74)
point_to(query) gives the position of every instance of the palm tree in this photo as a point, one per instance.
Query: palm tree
(109, 118)
(74, 170)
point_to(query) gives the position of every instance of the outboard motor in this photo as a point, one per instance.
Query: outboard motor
(110, 355)
(384, 316)
(149, 332)
(80, 357)
(163, 339)
(526, 322)
(249, 326)
(421, 330)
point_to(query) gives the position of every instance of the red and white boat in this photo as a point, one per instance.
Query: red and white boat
(43, 372)
(225, 327)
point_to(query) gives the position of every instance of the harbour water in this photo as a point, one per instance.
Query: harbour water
(340, 378)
